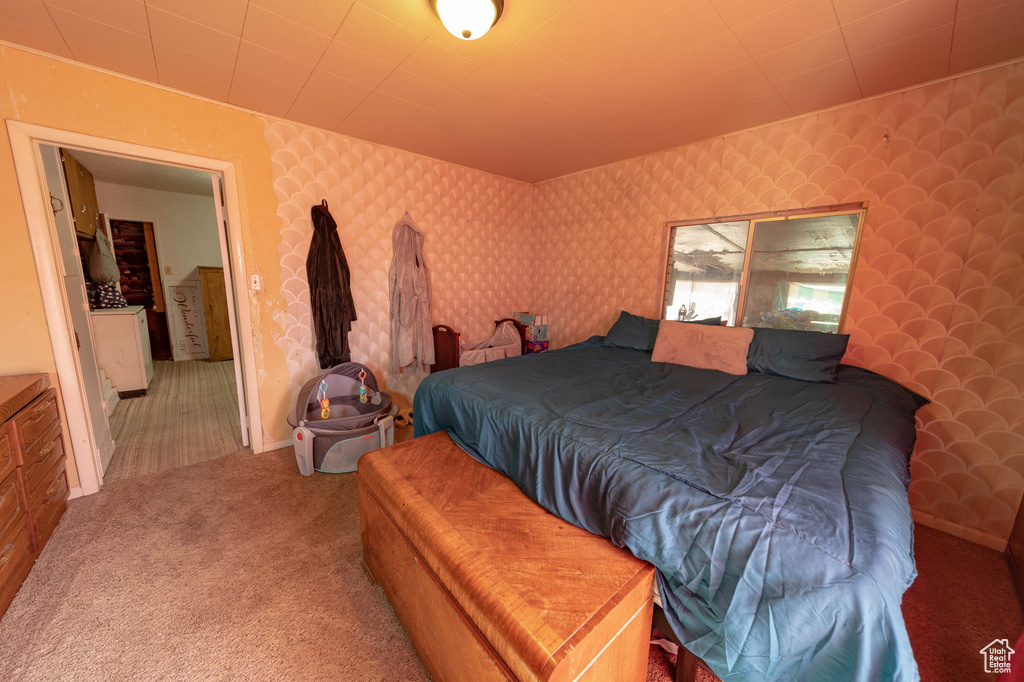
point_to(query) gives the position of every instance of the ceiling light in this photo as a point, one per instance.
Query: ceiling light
(468, 19)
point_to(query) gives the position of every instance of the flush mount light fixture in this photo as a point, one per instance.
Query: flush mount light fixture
(468, 19)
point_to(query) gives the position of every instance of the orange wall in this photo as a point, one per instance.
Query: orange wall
(938, 293)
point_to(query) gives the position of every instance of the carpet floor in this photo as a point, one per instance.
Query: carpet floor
(188, 415)
(239, 568)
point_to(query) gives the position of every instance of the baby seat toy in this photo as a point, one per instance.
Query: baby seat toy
(339, 416)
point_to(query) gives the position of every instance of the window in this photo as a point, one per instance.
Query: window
(780, 271)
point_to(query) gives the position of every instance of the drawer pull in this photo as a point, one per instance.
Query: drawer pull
(39, 409)
(46, 451)
(6, 554)
(53, 487)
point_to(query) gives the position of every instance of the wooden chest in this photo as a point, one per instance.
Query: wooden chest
(489, 585)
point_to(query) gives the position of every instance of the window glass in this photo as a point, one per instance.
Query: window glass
(706, 263)
(780, 272)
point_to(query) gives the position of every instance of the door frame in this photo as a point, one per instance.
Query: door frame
(25, 139)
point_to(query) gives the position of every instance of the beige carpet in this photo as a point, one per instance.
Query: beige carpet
(233, 569)
(188, 415)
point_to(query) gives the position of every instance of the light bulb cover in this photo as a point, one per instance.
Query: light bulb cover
(468, 19)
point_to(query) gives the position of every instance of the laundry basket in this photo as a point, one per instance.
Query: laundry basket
(331, 436)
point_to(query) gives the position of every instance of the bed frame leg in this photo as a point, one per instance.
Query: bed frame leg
(686, 663)
(686, 666)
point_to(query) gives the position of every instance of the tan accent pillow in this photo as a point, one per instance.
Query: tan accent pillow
(703, 346)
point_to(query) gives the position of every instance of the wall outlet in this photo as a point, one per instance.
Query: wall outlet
(256, 282)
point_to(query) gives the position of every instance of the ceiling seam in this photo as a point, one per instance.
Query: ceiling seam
(320, 59)
(152, 43)
(952, 36)
(59, 32)
(846, 46)
(238, 51)
(752, 61)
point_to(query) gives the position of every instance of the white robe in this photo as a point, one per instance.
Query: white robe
(412, 339)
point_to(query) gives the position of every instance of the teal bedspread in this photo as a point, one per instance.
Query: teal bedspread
(775, 510)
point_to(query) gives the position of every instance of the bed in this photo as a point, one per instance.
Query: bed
(774, 508)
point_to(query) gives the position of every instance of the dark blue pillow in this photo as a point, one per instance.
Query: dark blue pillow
(633, 331)
(640, 333)
(797, 354)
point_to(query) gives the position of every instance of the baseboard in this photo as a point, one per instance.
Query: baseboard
(75, 492)
(971, 534)
(276, 445)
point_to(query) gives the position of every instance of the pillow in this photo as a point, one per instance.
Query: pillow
(797, 354)
(109, 296)
(640, 333)
(632, 331)
(703, 346)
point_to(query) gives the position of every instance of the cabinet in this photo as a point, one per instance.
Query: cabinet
(82, 196)
(121, 337)
(215, 308)
(33, 480)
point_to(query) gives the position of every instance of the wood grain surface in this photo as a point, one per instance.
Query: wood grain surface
(553, 601)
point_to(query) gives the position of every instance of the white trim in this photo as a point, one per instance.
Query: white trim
(24, 140)
(971, 534)
(278, 444)
(75, 493)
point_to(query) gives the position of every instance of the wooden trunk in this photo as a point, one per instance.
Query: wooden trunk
(489, 585)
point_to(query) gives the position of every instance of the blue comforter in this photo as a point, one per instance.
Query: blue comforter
(775, 510)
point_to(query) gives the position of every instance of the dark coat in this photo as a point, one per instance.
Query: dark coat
(330, 290)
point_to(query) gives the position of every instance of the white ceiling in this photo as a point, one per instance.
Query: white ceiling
(555, 87)
(123, 171)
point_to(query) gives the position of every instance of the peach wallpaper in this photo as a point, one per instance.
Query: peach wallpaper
(476, 226)
(938, 294)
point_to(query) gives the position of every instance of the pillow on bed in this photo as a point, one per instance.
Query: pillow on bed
(797, 354)
(703, 346)
(632, 331)
(640, 333)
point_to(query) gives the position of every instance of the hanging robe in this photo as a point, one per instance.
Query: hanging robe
(412, 339)
(330, 290)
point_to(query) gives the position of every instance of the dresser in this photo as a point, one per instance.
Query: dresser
(121, 338)
(33, 480)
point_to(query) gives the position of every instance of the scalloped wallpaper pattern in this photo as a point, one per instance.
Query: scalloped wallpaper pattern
(938, 292)
(476, 229)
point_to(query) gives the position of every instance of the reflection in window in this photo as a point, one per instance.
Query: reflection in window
(781, 272)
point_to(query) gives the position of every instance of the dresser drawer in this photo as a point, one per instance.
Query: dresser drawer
(50, 506)
(15, 563)
(7, 462)
(15, 544)
(12, 510)
(35, 419)
(40, 460)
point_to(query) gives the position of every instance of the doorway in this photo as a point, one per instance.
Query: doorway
(27, 142)
(168, 381)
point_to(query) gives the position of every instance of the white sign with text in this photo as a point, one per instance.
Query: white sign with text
(186, 321)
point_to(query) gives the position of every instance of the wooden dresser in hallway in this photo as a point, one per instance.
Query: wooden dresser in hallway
(33, 481)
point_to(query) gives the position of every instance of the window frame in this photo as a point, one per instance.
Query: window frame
(860, 208)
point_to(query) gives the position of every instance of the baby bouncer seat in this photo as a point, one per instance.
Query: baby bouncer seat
(338, 417)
